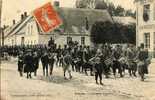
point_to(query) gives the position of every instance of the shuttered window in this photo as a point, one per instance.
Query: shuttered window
(147, 40)
(83, 40)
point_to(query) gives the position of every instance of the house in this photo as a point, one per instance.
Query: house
(76, 26)
(145, 24)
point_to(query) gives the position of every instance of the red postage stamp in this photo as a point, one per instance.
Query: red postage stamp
(47, 17)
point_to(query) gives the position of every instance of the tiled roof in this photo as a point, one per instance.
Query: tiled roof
(74, 20)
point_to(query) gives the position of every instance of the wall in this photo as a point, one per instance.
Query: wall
(62, 39)
(145, 27)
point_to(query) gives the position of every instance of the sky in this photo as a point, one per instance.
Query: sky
(12, 9)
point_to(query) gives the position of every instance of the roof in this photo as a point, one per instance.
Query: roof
(124, 20)
(74, 20)
(16, 27)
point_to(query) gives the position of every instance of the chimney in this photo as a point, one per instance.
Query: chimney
(22, 16)
(56, 3)
(14, 22)
(25, 14)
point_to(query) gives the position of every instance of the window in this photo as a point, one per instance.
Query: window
(31, 29)
(31, 42)
(146, 12)
(83, 40)
(28, 32)
(147, 40)
(12, 42)
(34, 41)
(69, 39)
(28, 42)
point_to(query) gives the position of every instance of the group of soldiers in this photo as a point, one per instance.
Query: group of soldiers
(105, 59)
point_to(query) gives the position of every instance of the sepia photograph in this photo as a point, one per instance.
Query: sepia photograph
(77, 49)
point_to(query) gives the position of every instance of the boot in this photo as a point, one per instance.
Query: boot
(97, 82)
(101, 82)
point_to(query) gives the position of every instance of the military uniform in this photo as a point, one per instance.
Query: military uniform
(29, 66)
(45, 61)
(51, 61)
(98, 70)
(67, 60)
(20, 64)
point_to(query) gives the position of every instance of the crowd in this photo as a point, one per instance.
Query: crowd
(103, 60)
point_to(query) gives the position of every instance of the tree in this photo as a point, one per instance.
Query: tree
(111, 9)
(101, 32)
(119, 11)
(107, 32)
(93, 4)
(130, 13)
(100, 4)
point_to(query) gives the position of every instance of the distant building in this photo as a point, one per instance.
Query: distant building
(145, 24)
(76, 26)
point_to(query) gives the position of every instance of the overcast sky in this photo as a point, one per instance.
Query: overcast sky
(12, 9)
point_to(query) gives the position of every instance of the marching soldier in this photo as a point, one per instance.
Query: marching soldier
(44, 60)
(143, 63)
(20, 63)
(51, 62)
(98, 70)
(67, 60)
(36, 62)
(29, 66)
(59, 52)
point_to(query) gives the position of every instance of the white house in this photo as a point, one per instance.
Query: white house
(145, 24)
(75, 21)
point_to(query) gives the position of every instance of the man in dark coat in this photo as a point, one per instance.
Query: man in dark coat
(51, 62)
(36, 62)
(44, 60)
(59, 52)
(98, 70)
(20, 63)
(116, 64)
(143, 62)
(29, 66)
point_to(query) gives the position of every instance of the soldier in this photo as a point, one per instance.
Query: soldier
(36, 62)
(86, 65)
(116, 64)
(51, 62)
(20, 63)
(143, 62)
(98, 70)
(44, 60)
(130, 55)
(67, 60)
(59, 51)
(29, 66)
(51, 42)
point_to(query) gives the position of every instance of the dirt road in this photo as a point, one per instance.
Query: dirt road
(81, 87)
